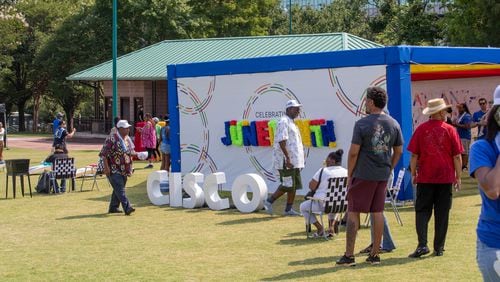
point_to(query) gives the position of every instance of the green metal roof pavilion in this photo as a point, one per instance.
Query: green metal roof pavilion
(150, 63)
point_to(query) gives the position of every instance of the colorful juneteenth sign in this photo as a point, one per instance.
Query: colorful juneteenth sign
(314, 133)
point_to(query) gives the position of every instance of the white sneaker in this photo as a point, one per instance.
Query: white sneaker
(268, 207)
(291, 212)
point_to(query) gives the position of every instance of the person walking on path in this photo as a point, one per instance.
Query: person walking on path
(463, 125)
(116, 154)
(485, 168)
(435, 165)
(288, 158)
(2, 138)
(375, 150)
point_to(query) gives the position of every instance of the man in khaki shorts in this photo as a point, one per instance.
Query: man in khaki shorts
(288, 158)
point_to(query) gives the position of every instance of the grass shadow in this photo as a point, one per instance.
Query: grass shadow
(246, 221)
(302, 241)
(98, 215)
(309, 273)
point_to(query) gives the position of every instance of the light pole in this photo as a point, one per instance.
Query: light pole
(289, 16)
(115, 82)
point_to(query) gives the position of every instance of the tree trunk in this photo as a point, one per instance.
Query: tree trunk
(70, 112)
(20, 108)
(36, 110)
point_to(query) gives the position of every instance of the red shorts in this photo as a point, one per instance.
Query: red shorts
(366, 196)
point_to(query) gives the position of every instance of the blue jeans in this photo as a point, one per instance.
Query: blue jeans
(487, 259)
(387, 243)
(118, 196)
(63, 186)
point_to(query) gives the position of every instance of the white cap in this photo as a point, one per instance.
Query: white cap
(123, 124)
(496, 96)
(155, 119)
(292, 103)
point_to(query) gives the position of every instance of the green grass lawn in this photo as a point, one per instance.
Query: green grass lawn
(71, 237)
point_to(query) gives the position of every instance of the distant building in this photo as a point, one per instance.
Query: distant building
(434, 6)
(317, 4)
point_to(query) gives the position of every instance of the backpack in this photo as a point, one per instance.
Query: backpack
(43, 185)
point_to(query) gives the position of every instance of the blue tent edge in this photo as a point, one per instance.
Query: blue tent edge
(397, 60)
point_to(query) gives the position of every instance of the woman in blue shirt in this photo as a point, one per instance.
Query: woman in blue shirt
(485, 167)
(165, 146)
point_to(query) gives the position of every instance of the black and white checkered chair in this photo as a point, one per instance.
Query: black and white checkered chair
(63, 168)
(335, 201)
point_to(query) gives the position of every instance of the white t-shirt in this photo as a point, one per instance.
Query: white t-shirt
(2, 132)
(287, 130)
(328, 172)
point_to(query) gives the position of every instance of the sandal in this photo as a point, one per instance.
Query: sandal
(366, 250)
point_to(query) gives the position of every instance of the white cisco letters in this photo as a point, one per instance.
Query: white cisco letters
(209, 194)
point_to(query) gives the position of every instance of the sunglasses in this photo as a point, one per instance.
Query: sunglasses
(482, 103)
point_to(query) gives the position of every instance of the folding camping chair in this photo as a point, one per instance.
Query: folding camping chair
(334, 202)
(62, 169)
(95, 170)
(392, 195)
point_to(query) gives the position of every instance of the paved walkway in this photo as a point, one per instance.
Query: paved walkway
(45, 143)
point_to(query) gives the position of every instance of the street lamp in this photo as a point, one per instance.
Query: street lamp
(115, 82)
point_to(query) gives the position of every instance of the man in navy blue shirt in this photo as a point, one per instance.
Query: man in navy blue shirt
(57, 122)
(478, 120)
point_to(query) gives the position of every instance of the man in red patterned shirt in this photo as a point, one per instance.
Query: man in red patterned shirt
(116, 154)
(436, 165)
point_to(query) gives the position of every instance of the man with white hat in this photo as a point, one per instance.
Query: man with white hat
(288, 158)
(436, 164)
(116, 154)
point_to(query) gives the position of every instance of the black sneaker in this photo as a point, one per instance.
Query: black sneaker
(373, 259)
(129, 211)
(115, 211)
(420, 251)
(438, 252)
(346, 261)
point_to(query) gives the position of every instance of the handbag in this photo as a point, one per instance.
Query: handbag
(287, 176)
(311, 192)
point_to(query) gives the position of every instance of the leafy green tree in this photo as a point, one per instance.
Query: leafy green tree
(412, 23)
(473, 23)
(21, 79)
(222, 18)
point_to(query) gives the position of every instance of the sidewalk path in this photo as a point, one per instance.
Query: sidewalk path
(45, 143)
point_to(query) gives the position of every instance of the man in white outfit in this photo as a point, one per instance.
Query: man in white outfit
(288, 158)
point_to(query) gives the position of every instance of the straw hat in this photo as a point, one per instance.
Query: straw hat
(434, 106)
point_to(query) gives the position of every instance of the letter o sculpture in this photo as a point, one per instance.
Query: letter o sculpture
(258, 188)
(153, 186)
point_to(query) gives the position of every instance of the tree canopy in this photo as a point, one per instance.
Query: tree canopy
(44, 41)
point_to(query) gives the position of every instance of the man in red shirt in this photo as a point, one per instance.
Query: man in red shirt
(436, 164)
